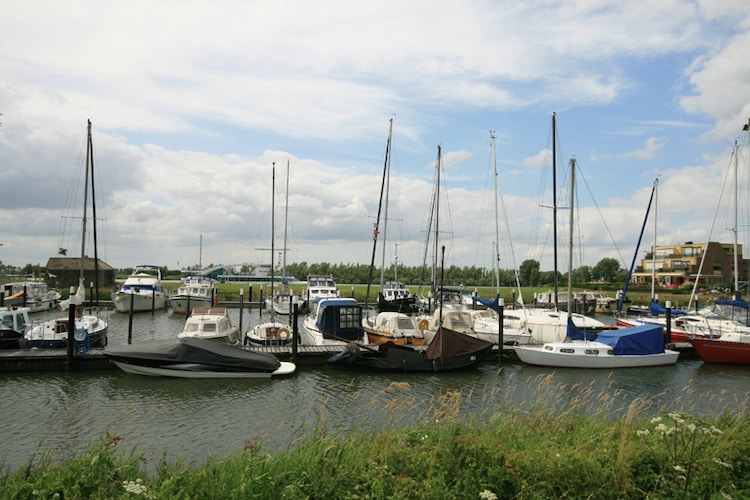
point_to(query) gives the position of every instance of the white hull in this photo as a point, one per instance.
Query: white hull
(190, 371)
(183, 305)
(588, 354)
(141, 302)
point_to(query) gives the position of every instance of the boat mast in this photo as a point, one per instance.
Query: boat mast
(286, 221)
(653, 253)
(571, 217)
(385, 210)
(85, 200)
(437, 220)
(377, 219)
(734, 229)
(497, 218)
(93, 218)
(273, 225)
(554, 202)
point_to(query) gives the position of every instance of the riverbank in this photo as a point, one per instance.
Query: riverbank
(512, 454)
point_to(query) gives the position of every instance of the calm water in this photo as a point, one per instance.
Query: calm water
(194, 419)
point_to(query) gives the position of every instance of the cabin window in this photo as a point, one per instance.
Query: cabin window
(349, 317)
(21, 322)
(405, 324)
(567, 351)
(611, 352)
(209, 327)
(594, 352)
(8, 322)
(192, 327)
(548, 347)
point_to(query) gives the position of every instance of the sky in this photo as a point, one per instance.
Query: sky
(199, 108)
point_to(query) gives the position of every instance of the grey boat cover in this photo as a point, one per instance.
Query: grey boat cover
(197, 351)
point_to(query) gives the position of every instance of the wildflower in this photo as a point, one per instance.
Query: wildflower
(679, 468)
(137, 487)
(644, 432)
(487, 495)
(721, 462)
(656, 420)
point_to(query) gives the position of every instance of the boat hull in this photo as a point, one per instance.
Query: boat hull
(140, 302)
(182, 305)
(592, 355)
(191, 370)
(722, 351)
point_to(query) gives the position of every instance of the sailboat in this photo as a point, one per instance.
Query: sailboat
(282, 299)
(726, 332)
(393, 295)
(638, 346)
(550, 324)
(393, 322)
(486, 322)
(90, 329)
(270, 332)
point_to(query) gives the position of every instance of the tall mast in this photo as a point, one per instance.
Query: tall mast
(85, 197)
(385, 210)
(286, 221)
(554, 201)
(653, 254)
(437, 221)
(273, 225)
(571, 217)
(734, 229)
(497, 217)
(376, 229)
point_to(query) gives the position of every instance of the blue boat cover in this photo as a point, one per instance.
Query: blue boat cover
(641, 339)
(656, 310)
(491, 303)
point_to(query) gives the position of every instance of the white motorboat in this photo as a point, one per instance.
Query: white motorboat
(32, 294)
(13, 324)
(396, 327)
(195, 291)
(319, 287)
(334, 321)
(210, 323)
(269, 333)
(142, 291)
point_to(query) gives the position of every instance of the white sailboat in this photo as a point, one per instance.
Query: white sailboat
(270, 332)
(90, 329)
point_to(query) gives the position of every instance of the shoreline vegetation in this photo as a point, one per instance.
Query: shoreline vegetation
(566, 441)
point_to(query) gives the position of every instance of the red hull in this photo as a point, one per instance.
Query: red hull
(722, 351)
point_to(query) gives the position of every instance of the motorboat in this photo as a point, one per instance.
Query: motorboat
(90, 330)
(638, 346)
(395, 296)
(141, 291)
(449, 351)
(32, 294)
(486, 326)
(333, 321)
(457, 319)
(195, 291)
(193, 357)
(269, 333)
(13, 323)
(396, 327)
(210, 323)
(319, 287)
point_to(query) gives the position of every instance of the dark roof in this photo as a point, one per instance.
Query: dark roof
(74, 263)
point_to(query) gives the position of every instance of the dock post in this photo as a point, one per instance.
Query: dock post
(500, 321)
(295, 330)
(130, 320)
(242, 306)
(71, 330)
(668, 318)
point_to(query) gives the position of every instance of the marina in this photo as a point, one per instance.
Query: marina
(179, 419)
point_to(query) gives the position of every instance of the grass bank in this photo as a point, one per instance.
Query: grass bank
(540, 450)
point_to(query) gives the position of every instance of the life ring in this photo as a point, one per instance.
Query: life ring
(80, 334)
(423, 324)
(283, 333)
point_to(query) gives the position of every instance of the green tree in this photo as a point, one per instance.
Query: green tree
(606, 270)
(529, 272)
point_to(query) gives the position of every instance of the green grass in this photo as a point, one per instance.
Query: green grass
(549, 447)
